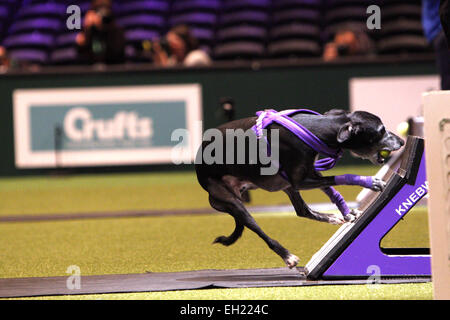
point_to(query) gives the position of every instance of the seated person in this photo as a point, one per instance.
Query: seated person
(179, 47)
(348, 41)
(102, 40)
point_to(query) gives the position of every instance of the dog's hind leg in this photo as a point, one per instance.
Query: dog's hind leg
(222, 199)
(239, 228)
(302, 209)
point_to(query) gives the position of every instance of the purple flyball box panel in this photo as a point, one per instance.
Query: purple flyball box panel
(364, 254)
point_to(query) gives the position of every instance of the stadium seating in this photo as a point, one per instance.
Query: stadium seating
(402, 29)
(35, 30)
(295, 29)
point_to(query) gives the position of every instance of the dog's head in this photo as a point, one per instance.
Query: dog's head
(366, 137)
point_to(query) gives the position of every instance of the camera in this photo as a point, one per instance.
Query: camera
(343, 49)
(148, 46)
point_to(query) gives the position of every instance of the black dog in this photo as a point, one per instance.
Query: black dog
(360, 132)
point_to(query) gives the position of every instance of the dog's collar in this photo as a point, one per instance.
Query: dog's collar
(268, 116)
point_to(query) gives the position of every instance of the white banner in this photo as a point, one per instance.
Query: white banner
(104, 126)
(393, 99)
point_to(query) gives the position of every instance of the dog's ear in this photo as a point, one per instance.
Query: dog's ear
(345, 132)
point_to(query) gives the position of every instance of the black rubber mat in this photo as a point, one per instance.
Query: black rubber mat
(202, 279)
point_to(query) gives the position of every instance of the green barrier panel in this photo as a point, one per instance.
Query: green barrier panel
(253, 87)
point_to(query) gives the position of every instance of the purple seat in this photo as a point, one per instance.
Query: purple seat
(29, 40)
(343, 3)
(237, 5)
(10, 3)
(64, 56)
(401, 26)
(49, 9)
(29, 55)
(140, 35)
(145, 6)
(296, 15)
(295, 30)
(203, 35)
(66, 39)
(294, 48)
(4, 12)
(143, 20)
(239, 50)
(244, 17)
(291, 4)
(39, 24)
(396, 11)
(353, 13)
(195, 5)
(403, 44)
(242, 33)
(84, 5)
(200, 19)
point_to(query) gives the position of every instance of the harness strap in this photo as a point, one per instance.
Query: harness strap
(267, 117)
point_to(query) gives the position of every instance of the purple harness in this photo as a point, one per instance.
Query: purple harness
(267, 117)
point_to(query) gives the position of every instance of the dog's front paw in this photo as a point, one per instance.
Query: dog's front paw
(291, 261)
(349, 218)
(353, 215)
(378, 184)
(335, 219)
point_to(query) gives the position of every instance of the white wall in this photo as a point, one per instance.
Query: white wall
(393, 99)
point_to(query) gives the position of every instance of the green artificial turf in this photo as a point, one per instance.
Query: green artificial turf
(165, 244)
(177, 243)
(124, 192)
(156, 244)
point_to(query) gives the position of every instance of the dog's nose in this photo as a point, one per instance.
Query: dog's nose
(402, 142)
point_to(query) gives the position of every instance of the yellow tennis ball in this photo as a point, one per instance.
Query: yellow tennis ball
(385, 153)
(403, 128)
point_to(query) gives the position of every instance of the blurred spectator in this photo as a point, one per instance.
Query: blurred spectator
(348, 41)
(4, 59)
(178, 47)
(102, 40)
(435, 35)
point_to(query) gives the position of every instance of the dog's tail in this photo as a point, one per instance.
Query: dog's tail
(232, 238)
